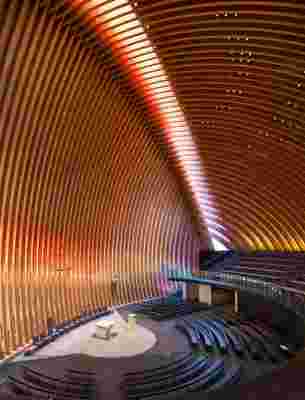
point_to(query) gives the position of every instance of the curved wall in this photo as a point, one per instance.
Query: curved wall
(85, 191)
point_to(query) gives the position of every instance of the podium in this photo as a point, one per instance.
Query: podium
(131, 322)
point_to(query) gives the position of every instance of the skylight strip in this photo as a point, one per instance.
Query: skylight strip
(133, 51)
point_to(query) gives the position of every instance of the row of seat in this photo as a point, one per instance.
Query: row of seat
(34, 384)
(182, 375)
(237, 336)
(165, 309)
(265, 337)
(66, 326)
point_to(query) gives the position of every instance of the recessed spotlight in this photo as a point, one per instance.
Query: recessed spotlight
(236, 13)
(241, 59)
(217, 15)
(299, 84)
(240, 92)
(266, 134)
(274, 118)
(229, 37)
(234, 91)
(246, 38)
(147, 26)
(225, 14)
(135, 3)
(289, 102)
(249, 146)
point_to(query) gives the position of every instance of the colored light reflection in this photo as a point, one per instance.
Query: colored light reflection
(118, 26)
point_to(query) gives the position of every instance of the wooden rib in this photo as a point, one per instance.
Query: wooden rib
(84, 185)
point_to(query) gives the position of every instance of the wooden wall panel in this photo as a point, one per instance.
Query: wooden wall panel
(83, 184)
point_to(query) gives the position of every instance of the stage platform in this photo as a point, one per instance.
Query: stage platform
(123, 342)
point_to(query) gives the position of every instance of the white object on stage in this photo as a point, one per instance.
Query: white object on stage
(103, 329)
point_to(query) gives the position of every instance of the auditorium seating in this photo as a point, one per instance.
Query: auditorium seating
(232, 332)
(181, 376)
(34, 384)
(66, 326)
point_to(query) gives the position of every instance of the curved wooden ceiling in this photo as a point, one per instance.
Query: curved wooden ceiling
(225, 80)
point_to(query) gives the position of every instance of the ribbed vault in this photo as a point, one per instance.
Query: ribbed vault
(85, 190)
(237, 71)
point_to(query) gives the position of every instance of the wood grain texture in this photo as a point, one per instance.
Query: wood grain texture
(84, 186)
(234, 73)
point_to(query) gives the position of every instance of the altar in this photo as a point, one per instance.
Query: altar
(103, 329)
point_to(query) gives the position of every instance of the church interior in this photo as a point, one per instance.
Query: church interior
(152, 199)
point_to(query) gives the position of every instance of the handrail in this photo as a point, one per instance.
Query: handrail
(284, 295)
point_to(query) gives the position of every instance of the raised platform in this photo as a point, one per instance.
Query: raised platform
(123, 342)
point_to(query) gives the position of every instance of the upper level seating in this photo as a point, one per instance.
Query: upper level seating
(281, 266)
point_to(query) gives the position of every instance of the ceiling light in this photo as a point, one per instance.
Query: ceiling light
(236, 14)
(246, 38)
(240, 92)
(299, 84)
(225, 14)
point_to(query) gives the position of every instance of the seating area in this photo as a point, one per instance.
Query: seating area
(183, 375)
(224, 333)
(66, 326)
(283, 268)
(33, 384)
(167, 308)
(222, 346)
